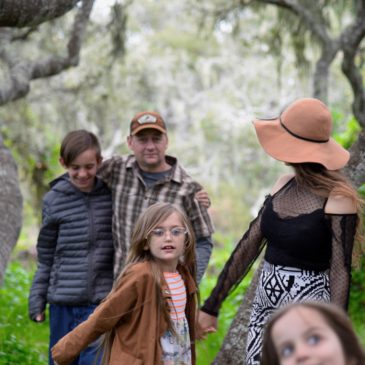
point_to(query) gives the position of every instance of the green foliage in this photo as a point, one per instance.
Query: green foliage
(207, 349)
(347, 132)
(361, 190)
(21, 340)
(357, 300)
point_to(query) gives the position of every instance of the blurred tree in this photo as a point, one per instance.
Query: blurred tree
(21, 70)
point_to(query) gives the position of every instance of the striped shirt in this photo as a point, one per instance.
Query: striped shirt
(177, 299)
(131, 196)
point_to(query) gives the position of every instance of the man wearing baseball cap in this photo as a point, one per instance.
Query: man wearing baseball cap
(148, 176)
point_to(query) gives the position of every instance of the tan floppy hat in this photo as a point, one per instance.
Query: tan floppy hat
(302, 133)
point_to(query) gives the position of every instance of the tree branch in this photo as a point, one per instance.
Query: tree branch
(304, 13)
(350, 42)
(23, 13)
(22, 72)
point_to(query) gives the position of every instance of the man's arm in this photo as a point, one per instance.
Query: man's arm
(204, 247)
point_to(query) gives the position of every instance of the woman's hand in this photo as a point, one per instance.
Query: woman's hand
(205, 324)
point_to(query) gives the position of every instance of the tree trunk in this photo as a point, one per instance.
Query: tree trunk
(321, 73)
(10, 207)
(355, 170)
(233, 348)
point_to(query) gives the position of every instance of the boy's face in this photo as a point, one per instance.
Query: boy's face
(82, 170)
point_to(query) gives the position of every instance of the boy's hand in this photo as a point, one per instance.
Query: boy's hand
(40, 317)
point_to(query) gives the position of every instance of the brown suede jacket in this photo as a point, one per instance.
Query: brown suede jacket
(132, 310)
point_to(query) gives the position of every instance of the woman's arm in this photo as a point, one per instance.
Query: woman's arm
(341, 214)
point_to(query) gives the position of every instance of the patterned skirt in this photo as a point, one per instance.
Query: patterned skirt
(278, 286)
(176, 349)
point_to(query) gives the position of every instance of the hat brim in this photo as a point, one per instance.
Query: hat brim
(281, 145)
(148, 126)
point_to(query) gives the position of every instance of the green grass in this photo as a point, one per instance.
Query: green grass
(24, 342)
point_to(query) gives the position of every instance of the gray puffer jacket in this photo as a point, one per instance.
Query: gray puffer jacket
(75, 247)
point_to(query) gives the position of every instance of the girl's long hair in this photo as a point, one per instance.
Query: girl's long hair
(148, 220)
(324, 182)
(336, 319)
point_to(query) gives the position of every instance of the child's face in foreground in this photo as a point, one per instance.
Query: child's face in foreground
(167, 242)
(82, 170)
(302, 336)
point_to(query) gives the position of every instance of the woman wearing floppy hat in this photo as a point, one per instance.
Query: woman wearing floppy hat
(308, 224)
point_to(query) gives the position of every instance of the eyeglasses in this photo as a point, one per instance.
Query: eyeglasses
(175, 231)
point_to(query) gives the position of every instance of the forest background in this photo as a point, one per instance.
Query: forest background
(208, 67)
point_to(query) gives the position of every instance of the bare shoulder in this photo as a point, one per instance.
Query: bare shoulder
(282, 180)
(340, 204)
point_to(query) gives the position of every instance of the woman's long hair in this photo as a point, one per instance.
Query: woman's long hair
(324, 182)
(148, 220)
(336, 319)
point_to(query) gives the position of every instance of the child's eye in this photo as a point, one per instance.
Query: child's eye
(178, 231)
(313, 339)
(286, 351)
(158, 232)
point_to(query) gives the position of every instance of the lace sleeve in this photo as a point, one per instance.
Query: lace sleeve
(343, 228)
(237, 266)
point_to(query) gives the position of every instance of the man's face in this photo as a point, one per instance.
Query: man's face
(149, 147)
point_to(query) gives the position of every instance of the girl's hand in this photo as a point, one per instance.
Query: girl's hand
(203, 198)
(205, 324)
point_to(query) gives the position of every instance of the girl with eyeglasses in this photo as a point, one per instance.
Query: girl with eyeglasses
(148, 317)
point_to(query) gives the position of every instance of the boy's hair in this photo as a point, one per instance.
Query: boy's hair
(147, 221)
(336, 319)
(77, 142)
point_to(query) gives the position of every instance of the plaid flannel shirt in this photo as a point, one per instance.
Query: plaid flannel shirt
(131, 196)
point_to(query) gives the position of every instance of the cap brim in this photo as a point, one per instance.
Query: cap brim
(281, 145)
(148, 126)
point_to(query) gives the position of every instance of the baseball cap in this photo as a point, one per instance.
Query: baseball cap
(147, 120)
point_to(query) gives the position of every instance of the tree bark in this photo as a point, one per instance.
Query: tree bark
(355, 169)
(233, 348)
(350, 41)
(25, 13)
(22, 72)
(10, 207)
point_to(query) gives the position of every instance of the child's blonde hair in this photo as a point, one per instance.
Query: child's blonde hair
(147, 221)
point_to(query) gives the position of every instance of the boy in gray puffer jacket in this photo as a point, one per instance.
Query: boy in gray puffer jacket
(75, 245)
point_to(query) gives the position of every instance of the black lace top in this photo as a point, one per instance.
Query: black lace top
(298, 233)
